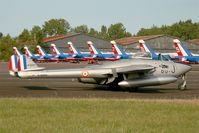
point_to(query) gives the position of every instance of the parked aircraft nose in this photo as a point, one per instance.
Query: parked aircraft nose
(183, 68)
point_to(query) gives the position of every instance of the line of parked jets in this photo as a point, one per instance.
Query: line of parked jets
(182, 55)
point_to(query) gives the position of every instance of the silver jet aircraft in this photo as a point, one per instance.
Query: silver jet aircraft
(129, 74)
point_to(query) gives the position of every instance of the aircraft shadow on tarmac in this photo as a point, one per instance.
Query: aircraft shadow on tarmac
(37, 88)
(148, 90)
(139, 90)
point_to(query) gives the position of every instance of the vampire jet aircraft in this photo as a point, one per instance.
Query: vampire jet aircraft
(129, 73)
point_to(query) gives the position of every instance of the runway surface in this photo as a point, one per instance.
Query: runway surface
(70, 88)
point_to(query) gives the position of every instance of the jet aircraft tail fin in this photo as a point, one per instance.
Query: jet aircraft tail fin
(26, 64)
(145, 48)
(28, 52)
(41, 51)
(73, 49)
(181, 49)
(117, 49)
(13, 65)
(16, 51)
(92, 48)
(56, 51)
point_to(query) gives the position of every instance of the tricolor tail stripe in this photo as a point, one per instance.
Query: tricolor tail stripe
(22, 63)
(13, 63)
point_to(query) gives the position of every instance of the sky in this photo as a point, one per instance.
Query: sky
(15, 15)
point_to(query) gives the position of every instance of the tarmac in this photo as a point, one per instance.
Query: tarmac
(70, 88)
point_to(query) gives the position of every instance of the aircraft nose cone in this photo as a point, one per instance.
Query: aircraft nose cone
(185, 68)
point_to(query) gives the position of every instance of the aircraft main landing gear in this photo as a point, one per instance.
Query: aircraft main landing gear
(183, 84)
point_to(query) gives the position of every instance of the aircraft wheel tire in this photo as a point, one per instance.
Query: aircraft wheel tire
(182, 87)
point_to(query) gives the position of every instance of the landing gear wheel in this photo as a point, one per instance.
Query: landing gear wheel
(183, 85)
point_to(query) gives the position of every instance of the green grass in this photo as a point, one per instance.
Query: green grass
(24, 115)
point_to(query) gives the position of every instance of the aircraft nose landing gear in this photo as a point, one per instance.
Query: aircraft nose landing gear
(183, 84)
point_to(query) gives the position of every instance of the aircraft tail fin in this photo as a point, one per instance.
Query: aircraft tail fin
(143, 46)
(92, 48)
(28, 52)
(73, 49)
(56, 51)
(40, 51)
(26, 64)
(16, 51)
(117, 49)
(181, 49)
(13, 65)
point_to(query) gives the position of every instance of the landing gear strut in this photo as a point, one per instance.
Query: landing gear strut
(183, 84)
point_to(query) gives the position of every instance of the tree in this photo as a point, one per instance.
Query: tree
(93, 32)
(186, 30)
(1, 34)
(81, 29)
(54, 27)
(103, 32)
(24, 37)
(6, 44)
(116, 31)
(36, 35)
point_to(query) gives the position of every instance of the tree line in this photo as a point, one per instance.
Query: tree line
(185, 30)
(54, 27)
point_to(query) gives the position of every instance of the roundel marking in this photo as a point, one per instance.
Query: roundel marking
(85, 73)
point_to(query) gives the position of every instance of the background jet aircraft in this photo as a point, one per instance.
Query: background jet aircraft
(155, 56)
(64, 56)
(130, 73)
(58, 53)
(77, 54)
(29, 54)
(184, 54)
(17, 52)
(44, 55)
(97, 54)
(119, 52)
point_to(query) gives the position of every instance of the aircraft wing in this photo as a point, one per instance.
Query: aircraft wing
(134, 68)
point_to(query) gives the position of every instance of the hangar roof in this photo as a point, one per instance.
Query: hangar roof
(133, 39)
(54, 38)
(195, 41)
